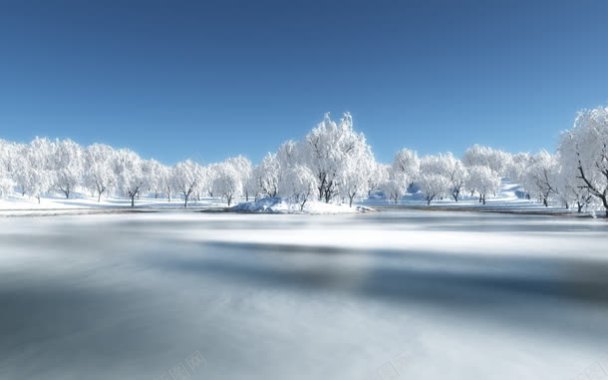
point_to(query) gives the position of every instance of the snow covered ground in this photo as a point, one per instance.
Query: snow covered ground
(19, 206)
(282, 206)
(508, 199)
(387, 295)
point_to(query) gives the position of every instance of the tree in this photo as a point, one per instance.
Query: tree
(584, 149)
(355, 170)
(449, 167)
(68, 165)
(570, 188)
(328, 146)
(7, 157)
(212, 174)
(517, 167)
(290, 154)
(6, 183)
(497, 160)
(227, 182)
(186, 177)
(244, 167)
(406, 167)
(540, 178)
(33, 168)
(165, 180)
(98, 174)
(154, 173)
(266, 175)
(297, 183)
(393, 188)
(482, 180)
(379, 175)
(433, 179)
(129, 172)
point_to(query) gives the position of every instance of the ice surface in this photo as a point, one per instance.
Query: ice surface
(387, 295)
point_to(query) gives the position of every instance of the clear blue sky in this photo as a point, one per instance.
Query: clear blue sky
(209, 79)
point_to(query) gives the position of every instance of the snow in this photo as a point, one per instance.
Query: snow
(401, 294)
(79, 204)
(279, 205)
(509, 198)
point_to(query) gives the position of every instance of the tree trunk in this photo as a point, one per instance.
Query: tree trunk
(133, 200)
(185, 201)
(350, 201)
(99, 198)
(229, 199)
(483, 199)
(579, 206)
(545, 203)
(302, 205)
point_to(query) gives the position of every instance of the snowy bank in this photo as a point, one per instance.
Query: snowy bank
(282, 206)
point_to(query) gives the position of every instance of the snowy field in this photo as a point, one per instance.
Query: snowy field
(387, 295)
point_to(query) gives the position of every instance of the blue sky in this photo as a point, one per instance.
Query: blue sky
(210, 79)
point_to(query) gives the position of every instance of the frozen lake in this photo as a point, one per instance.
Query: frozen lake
(391, 295)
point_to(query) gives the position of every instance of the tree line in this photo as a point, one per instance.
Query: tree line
(332, 163)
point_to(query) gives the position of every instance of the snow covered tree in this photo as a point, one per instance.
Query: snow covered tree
(298, 183)
(356, 169)
(290, 154)
(328, 146)
(266, 175)
(165, 180)
(244, 167)
(570, 187)
(584, 150)
(497, 160)
(227, 182)
(154, 173)
(129, 172)
(186, 177)
(33, 168)
(379, 175)
(517, 166)
(68, 162)
(8, 152)
(483, 180)
(212, 172)
(433, 179)
(393, 188)
(448, 166)
(98, 174)
(540, 178)
(6, 182)
(570, 190)
(405, 167)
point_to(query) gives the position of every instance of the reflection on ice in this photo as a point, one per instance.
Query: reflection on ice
(387, 295)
